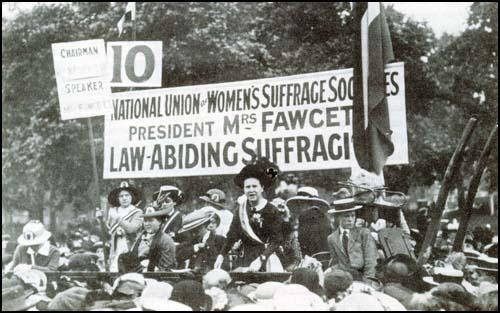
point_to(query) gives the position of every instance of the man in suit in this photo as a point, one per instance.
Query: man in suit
(201, 249)
(352, 248)
(166, 199)
(153, 250)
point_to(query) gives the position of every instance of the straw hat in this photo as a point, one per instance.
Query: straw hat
(307, 196)
(345, 205)
(200, 217)
(17, 298)
(151, 211)
(34, 233)
(215, 197)
(172, 192)
(444, 275)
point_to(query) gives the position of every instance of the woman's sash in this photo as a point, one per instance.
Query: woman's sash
(115, 226)
(245, 223)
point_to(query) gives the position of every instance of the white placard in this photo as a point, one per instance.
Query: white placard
(135, 63)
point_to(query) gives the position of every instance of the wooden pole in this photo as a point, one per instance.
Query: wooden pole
(94, 164)
(437, 210)
(473, 186)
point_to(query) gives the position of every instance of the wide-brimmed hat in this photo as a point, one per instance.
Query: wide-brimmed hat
(307, 197)
(34, 278)
(72, 299)
(83, 261)
(345, 201)
(215, 197)
(172, 192)
(34, 233)
(134, 192)
(484, 263)
(129, 284)
(453, 292)
(196, 219)
(18, 298)
(444, 275)
(155, 297)
(262, 170)
(151, 211)
(345, 205)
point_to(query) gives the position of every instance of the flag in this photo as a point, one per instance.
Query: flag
(128, 16)
(372, 50)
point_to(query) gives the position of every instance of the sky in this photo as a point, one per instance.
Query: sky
(449, 17)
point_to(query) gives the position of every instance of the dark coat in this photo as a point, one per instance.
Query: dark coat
(42, 262)
(161, 254)
(205, 258)
(271, 233)
(172, 224)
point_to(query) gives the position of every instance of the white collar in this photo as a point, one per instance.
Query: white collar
(259, 206)
(43, 250)
(342, 230)
(205, 238)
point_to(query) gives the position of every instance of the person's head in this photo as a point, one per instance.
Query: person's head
(306, 277)
(34, 235)
(347, 219)
(209, 226)
(128, 286)
(168, 197)
(192, 294)
(457, 260)
(216, 278)
(424, 302)
(253, 189)
(396, 272)
(125, 198)
(152, 224)
(256, 177)
(487, 301)
(476, 276)
(453, 296)
(336, 282)
(214, 222)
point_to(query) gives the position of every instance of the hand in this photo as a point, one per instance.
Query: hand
(380, 224)
(255, 265)
(237, 245)
(198, 246)
(99, 213)
(218, 261)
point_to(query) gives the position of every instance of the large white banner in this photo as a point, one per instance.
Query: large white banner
(301, 122)
(82, 79)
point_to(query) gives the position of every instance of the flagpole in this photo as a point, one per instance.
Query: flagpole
(134, 31)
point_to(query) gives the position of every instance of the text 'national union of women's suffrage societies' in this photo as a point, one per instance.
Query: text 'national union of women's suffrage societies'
(301, 122)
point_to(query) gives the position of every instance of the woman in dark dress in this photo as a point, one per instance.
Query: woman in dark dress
(257, 223)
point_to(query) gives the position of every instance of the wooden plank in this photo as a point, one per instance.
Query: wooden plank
(473, 186)
(437, 210)
(170, 276)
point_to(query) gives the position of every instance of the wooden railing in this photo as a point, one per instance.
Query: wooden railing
(170, 276)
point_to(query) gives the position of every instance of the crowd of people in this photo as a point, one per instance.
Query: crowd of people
(356, 253)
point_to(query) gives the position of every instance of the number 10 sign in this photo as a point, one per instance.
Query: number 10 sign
(135, 63)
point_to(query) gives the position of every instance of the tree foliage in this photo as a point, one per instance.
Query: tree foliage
(46, 161)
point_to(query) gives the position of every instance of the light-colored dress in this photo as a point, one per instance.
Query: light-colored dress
(123, 224)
